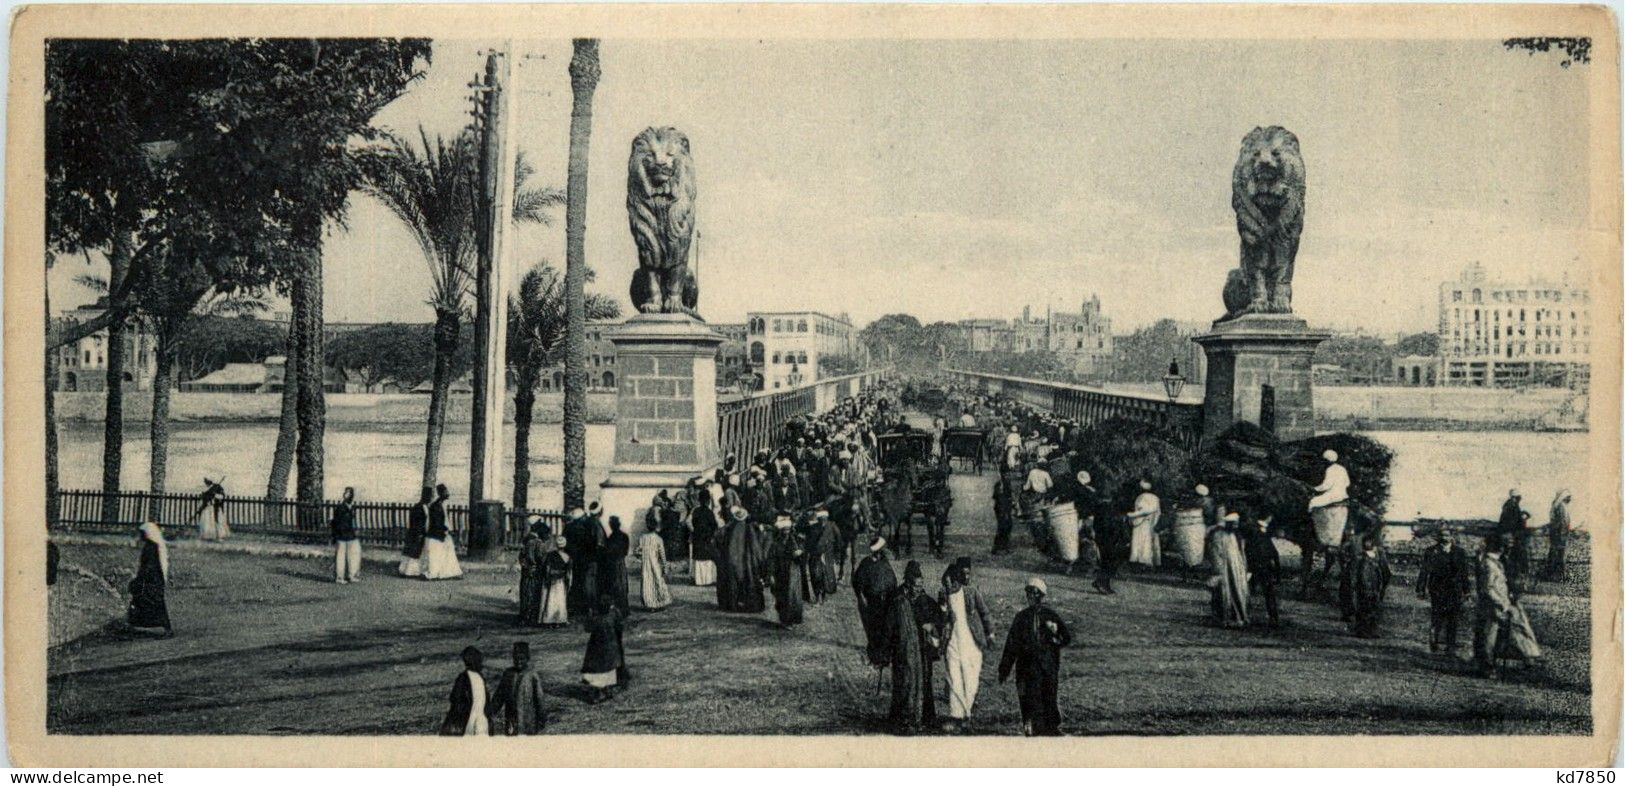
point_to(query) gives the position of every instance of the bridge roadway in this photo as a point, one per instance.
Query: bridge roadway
(272, 646)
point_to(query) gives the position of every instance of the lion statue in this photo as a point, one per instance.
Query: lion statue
(1267, 194)
(660, 207)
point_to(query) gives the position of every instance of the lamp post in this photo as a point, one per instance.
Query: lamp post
(1173, 382)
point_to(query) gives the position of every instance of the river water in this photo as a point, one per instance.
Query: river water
(1436, 474)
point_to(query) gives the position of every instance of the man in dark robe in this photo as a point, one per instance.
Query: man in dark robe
(744, 552)
(1264, 565)
(1369, 583)
(819, 539)
(911, 687)
(1033, 651)
(1005, 514)
(758, 502)
(582, 536)
(789, 577)
(518, 706)
(604, 667)
(1444, 580)
(1514, 535)
(874, 581)
(1112, 536)
(612, 582)
(719, 549)
(817, 470)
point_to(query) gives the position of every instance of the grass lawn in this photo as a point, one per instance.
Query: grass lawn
(270, 645)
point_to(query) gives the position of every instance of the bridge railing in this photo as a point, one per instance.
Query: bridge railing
(1089, 406)
(747, 425)
(377, 523)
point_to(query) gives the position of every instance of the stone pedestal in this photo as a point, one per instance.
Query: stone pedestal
(1259, 369)
(665, 411)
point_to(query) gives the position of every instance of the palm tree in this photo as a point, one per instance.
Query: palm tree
(536, 329)
(584, 72)
(431, 189)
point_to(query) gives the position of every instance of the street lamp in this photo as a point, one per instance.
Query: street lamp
(1173, 382)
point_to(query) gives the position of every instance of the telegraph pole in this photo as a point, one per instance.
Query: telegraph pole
(494, 203)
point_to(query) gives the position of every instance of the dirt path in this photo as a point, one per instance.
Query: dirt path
(271, 646)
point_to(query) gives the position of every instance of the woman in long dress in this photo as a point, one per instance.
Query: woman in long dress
(652, 551)
(1229, 581)
(417, 526)
(211, 513)
(556, 574)
(1143, 546)
(703, 543)
(532, 564)
(439, 548)
(147, 606)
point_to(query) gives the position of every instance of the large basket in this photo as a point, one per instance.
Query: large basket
(1063, 528)
(1190, 533)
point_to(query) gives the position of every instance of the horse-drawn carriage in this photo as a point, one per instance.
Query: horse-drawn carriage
(969, 445)
(893, 449)
(914, 492)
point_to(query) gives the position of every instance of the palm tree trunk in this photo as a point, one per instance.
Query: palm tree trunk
(163, 381)
(312, 401)
(287, 430)
(446, 328)
(524, 406)
(53, 355)
(584, 72)
(118, 264)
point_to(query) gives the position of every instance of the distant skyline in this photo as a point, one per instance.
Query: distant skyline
(961, 179)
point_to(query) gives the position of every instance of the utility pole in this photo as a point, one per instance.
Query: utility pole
(495, 194)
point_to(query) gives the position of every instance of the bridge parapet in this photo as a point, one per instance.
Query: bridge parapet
(753, 423)
(1089, 406)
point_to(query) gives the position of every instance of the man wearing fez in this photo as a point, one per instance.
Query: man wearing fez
(873, 581)
(1444, 580)
(1033, 652)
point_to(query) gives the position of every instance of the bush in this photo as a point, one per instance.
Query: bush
(1118, 453)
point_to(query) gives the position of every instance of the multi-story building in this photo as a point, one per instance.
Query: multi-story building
(1500, 334)
(785, 346)
(82, 365)
(732, 362)
(1081, 339)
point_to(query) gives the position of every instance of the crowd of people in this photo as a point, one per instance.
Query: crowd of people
(790, 523)
(1236, 546)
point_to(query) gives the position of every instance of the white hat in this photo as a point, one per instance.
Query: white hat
(1232, 516)
(1145, 484)
(1083, 477)
(1037, 583)
(1201, 489)
(577, 513)
(877, 544)
(1330, 455)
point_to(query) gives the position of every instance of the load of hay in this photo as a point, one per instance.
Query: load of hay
(1246, 466)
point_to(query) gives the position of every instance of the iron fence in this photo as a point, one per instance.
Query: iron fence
(377, 523)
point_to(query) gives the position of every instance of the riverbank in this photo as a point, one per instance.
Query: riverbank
(371, 409)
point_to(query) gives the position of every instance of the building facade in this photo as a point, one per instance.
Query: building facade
(784, 347)
(1500, 334)
(602, 372)
(82, 365)
(1082, 340)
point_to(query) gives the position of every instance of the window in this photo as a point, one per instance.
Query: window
(609, 379)
(1455, 297)
(802, 358)
(775, 359)
(801, 327)
(756, 352)
(1478, 296)
(87, 357)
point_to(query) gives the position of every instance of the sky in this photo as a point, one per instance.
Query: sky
(959, 179)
